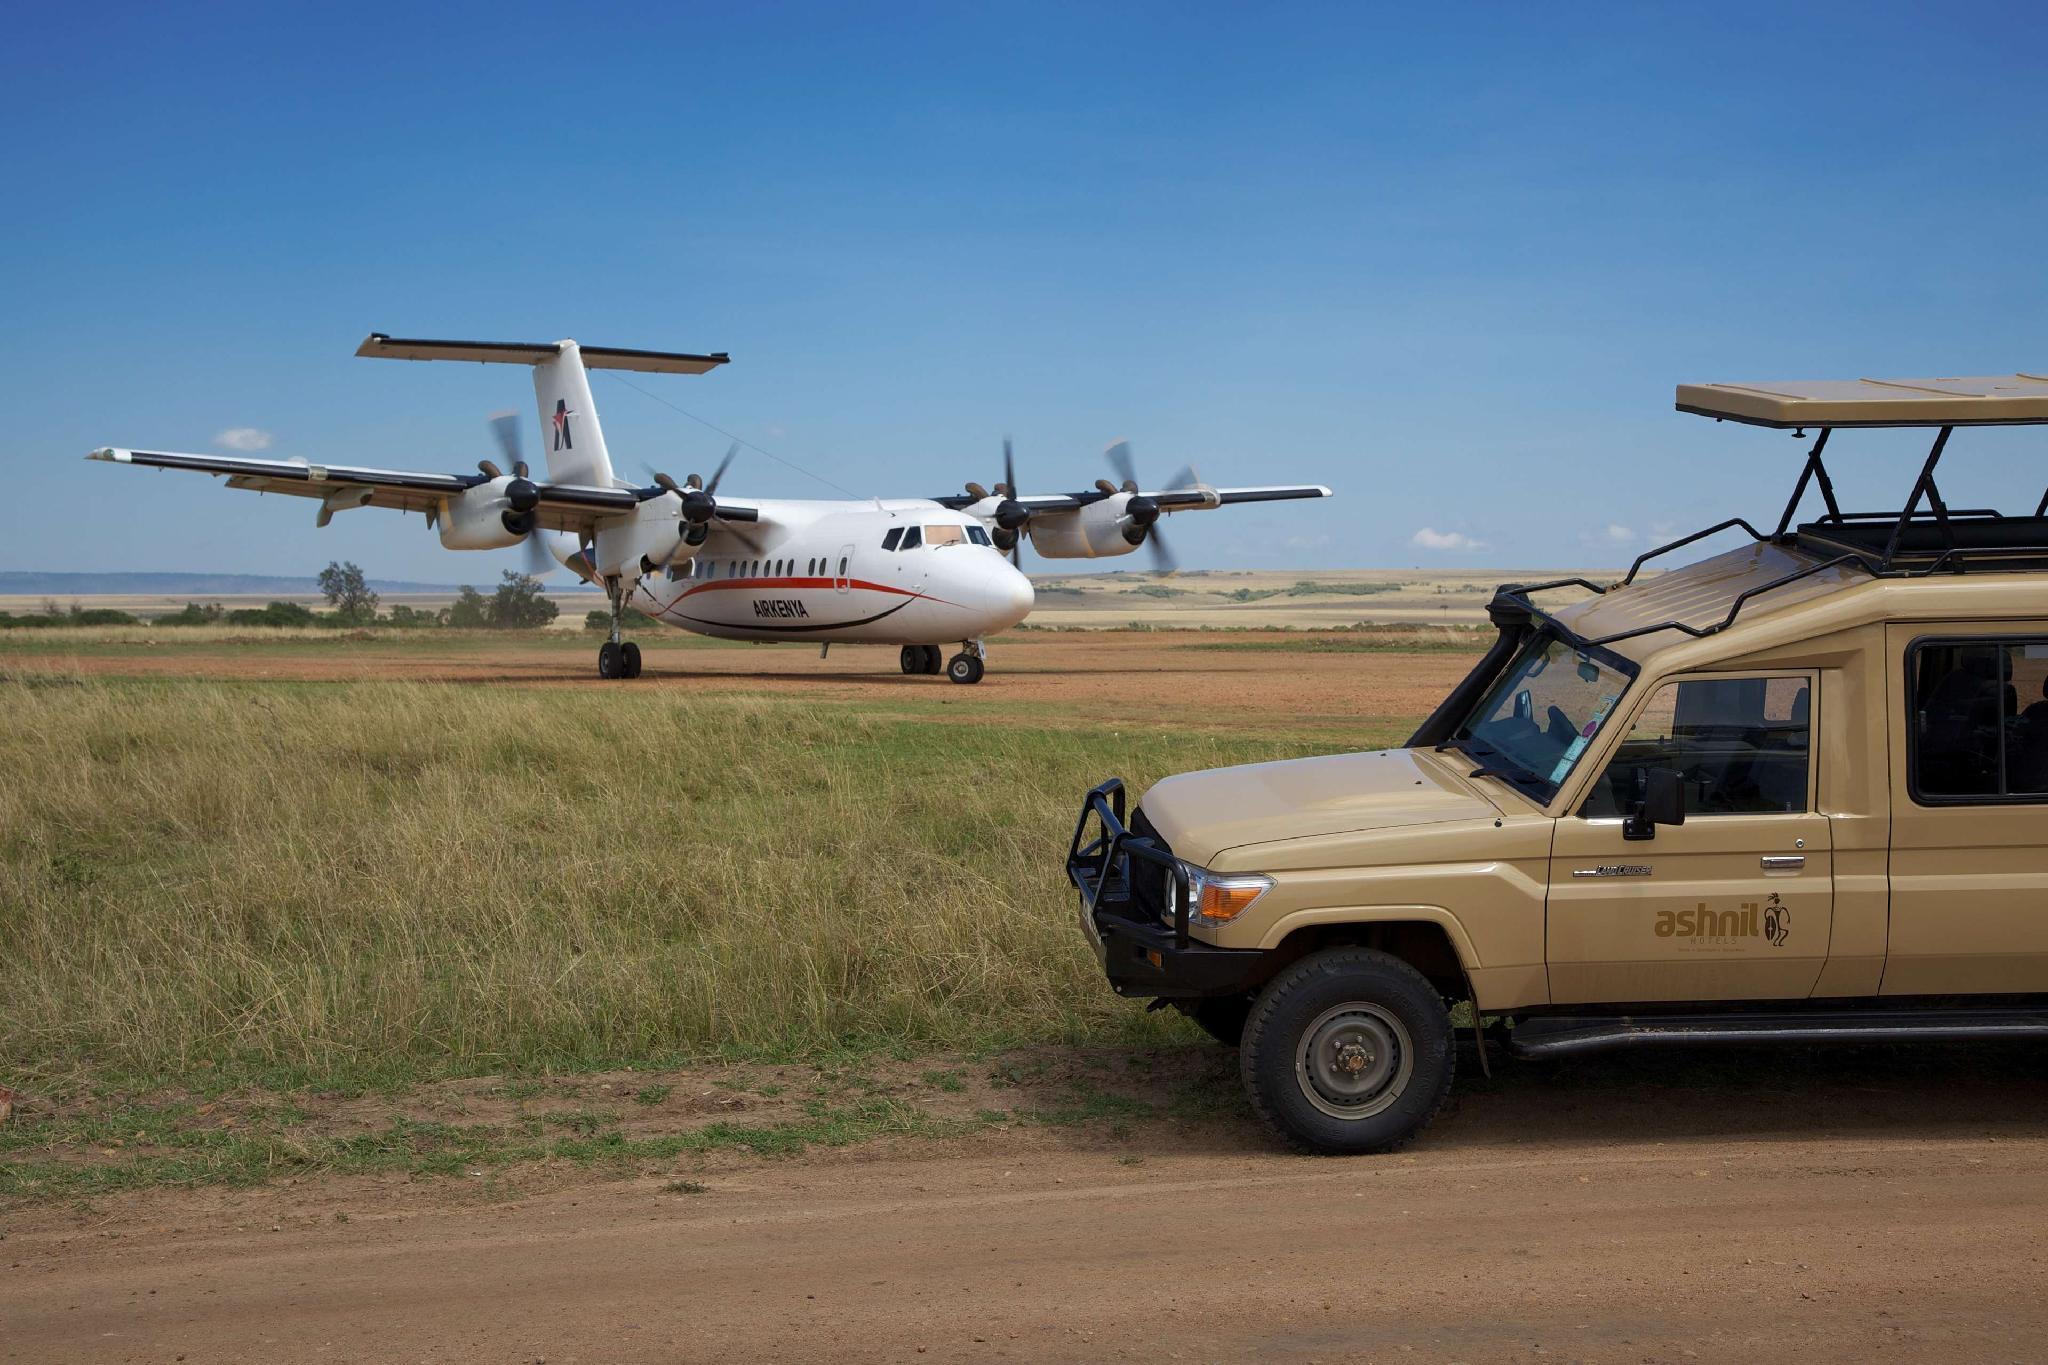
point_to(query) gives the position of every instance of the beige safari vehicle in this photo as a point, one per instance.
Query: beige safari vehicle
(1797, 791)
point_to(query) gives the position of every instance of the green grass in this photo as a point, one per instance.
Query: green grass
(363, 886)
(182, 1156)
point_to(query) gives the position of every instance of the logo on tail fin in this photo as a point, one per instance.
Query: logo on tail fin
(563, 412)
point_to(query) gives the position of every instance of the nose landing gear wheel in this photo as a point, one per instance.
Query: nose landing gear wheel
(965, 668)
(611, 660)
(629, 655)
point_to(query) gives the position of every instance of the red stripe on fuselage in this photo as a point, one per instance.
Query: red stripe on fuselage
(789, 584)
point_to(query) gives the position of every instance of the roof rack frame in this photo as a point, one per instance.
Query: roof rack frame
(1953, 558)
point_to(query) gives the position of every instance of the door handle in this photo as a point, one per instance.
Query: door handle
(1788, 862)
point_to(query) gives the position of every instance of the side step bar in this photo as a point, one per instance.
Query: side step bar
(1560, 1036)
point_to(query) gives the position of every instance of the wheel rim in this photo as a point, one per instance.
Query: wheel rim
(1354, 1060)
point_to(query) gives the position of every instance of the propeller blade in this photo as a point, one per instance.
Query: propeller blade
(505, 426)
(1163, 561)
(719, 473)
(540, 561)
(1187, 478)
(1119, 457)
(1009, 471)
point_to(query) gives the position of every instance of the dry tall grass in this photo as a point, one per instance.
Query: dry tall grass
(409, 880)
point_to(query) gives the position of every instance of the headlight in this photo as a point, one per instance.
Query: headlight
(1215, 897)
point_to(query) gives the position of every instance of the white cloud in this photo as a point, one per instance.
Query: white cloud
(244, 438)
(1610, 534)
(1429, 538)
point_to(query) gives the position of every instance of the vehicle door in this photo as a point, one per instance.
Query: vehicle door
(1737, 902)
(1969, 848)
(842, 570)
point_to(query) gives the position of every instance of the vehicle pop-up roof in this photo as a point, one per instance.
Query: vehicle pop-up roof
(1926, 536)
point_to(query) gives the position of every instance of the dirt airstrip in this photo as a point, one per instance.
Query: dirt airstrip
(1845, 1208)
(1192, 673)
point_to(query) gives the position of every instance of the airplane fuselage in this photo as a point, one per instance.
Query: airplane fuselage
(904, 571)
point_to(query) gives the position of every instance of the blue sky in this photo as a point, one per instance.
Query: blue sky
(1449, 260)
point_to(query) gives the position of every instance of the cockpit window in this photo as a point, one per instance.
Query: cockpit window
(945, 535)
(895, 534)
(911, 539)
(977, 535)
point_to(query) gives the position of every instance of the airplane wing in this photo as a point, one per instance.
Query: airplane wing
(562, 507)
(1171, 500)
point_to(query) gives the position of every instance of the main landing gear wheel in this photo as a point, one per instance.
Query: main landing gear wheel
(965, 668)
(923, 659)
(630, 655)
(611, 660)
(1348, 1050)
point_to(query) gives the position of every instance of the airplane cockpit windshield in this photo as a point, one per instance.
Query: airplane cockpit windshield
(948, 533)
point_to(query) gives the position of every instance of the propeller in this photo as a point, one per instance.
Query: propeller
(505, 426)
(1141, 514)
(521, 494)
(1011, 516)
(700, 503)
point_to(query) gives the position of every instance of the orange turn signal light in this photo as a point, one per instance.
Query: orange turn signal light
(1227, 900)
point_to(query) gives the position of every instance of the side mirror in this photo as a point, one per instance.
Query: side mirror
(1663, 803)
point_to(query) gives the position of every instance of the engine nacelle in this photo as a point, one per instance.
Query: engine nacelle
(1097, 531)
(653, 535)
(490, 516)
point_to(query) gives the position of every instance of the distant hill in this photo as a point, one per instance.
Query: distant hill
(19, 583)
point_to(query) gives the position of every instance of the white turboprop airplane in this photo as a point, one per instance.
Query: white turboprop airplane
(914, 572)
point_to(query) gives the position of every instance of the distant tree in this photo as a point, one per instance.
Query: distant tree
(348, 592)
(192, 615)
(471, 608)
(274, 614)
(519, 603)
(402, 615)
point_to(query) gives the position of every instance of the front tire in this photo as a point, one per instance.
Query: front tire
(629, 660)
(611, 660)
(965, 668)
(1348, 1050)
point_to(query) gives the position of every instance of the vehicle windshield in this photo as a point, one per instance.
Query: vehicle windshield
(1535, 722)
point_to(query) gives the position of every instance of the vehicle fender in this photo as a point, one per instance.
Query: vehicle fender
(1461, 943)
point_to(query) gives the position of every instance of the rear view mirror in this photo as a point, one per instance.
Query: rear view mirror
(1662, 803)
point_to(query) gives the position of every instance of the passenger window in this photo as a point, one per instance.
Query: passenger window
(842, 568)
(945, 535)
(1980, 721)
(911, 539)
(1740, 746)
(895, 534)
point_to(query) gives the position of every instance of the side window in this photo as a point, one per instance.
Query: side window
(895, 534)
(911, 538)
(842, 567)
(1740, 745)
(977, 535)
(1979, 726)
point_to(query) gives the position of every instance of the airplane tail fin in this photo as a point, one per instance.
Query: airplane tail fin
(561, 383)
(569, 430)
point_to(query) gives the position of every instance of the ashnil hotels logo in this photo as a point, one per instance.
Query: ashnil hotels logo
(1766, 921)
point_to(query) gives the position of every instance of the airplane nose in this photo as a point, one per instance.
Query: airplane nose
(1012, 596)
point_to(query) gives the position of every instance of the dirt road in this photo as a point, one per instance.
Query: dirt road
(1883, 1207)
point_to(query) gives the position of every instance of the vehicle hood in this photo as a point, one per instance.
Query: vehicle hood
(1200, 815)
